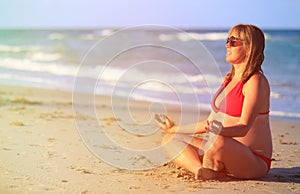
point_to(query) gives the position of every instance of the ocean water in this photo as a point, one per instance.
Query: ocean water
(157, 65)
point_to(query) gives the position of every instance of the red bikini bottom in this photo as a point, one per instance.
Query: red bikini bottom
(267, 160)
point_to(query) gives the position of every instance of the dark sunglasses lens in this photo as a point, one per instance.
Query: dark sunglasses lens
(229, 40)
(232, 41)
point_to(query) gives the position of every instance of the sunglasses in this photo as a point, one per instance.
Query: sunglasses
(233, 41)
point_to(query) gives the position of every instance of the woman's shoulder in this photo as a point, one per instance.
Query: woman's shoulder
(258, 88)
(259, 80)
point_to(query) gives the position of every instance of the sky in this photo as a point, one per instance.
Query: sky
(125, 13)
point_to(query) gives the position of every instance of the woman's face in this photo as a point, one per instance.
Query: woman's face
(235, 49)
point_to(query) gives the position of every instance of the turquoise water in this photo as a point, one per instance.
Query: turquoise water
(51, 59)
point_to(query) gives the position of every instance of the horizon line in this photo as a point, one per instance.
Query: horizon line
(221, 28)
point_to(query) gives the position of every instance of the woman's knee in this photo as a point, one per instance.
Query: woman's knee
(166, 138)
(175, 138)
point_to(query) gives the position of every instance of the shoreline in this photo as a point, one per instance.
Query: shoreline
(274, 115)
(42, 151)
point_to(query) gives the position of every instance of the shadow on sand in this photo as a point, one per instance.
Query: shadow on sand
(291, 175)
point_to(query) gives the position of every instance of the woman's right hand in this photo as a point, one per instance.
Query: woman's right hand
(168, 126)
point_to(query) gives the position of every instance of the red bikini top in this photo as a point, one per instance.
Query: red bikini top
(232, 103)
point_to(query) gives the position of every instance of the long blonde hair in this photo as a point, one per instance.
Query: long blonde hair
(254, 40)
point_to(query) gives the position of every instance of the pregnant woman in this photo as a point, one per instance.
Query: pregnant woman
(243, 146)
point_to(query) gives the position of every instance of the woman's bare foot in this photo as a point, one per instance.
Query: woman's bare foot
(208, 174)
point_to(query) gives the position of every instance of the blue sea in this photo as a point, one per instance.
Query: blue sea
(156, 65)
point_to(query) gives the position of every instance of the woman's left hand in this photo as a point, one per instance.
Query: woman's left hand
(215, 127)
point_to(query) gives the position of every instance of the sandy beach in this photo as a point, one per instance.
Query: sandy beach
(42, 152)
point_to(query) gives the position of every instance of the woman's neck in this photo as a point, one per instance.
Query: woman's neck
(238, 71)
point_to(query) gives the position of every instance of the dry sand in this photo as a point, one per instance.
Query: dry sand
(41, 151)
